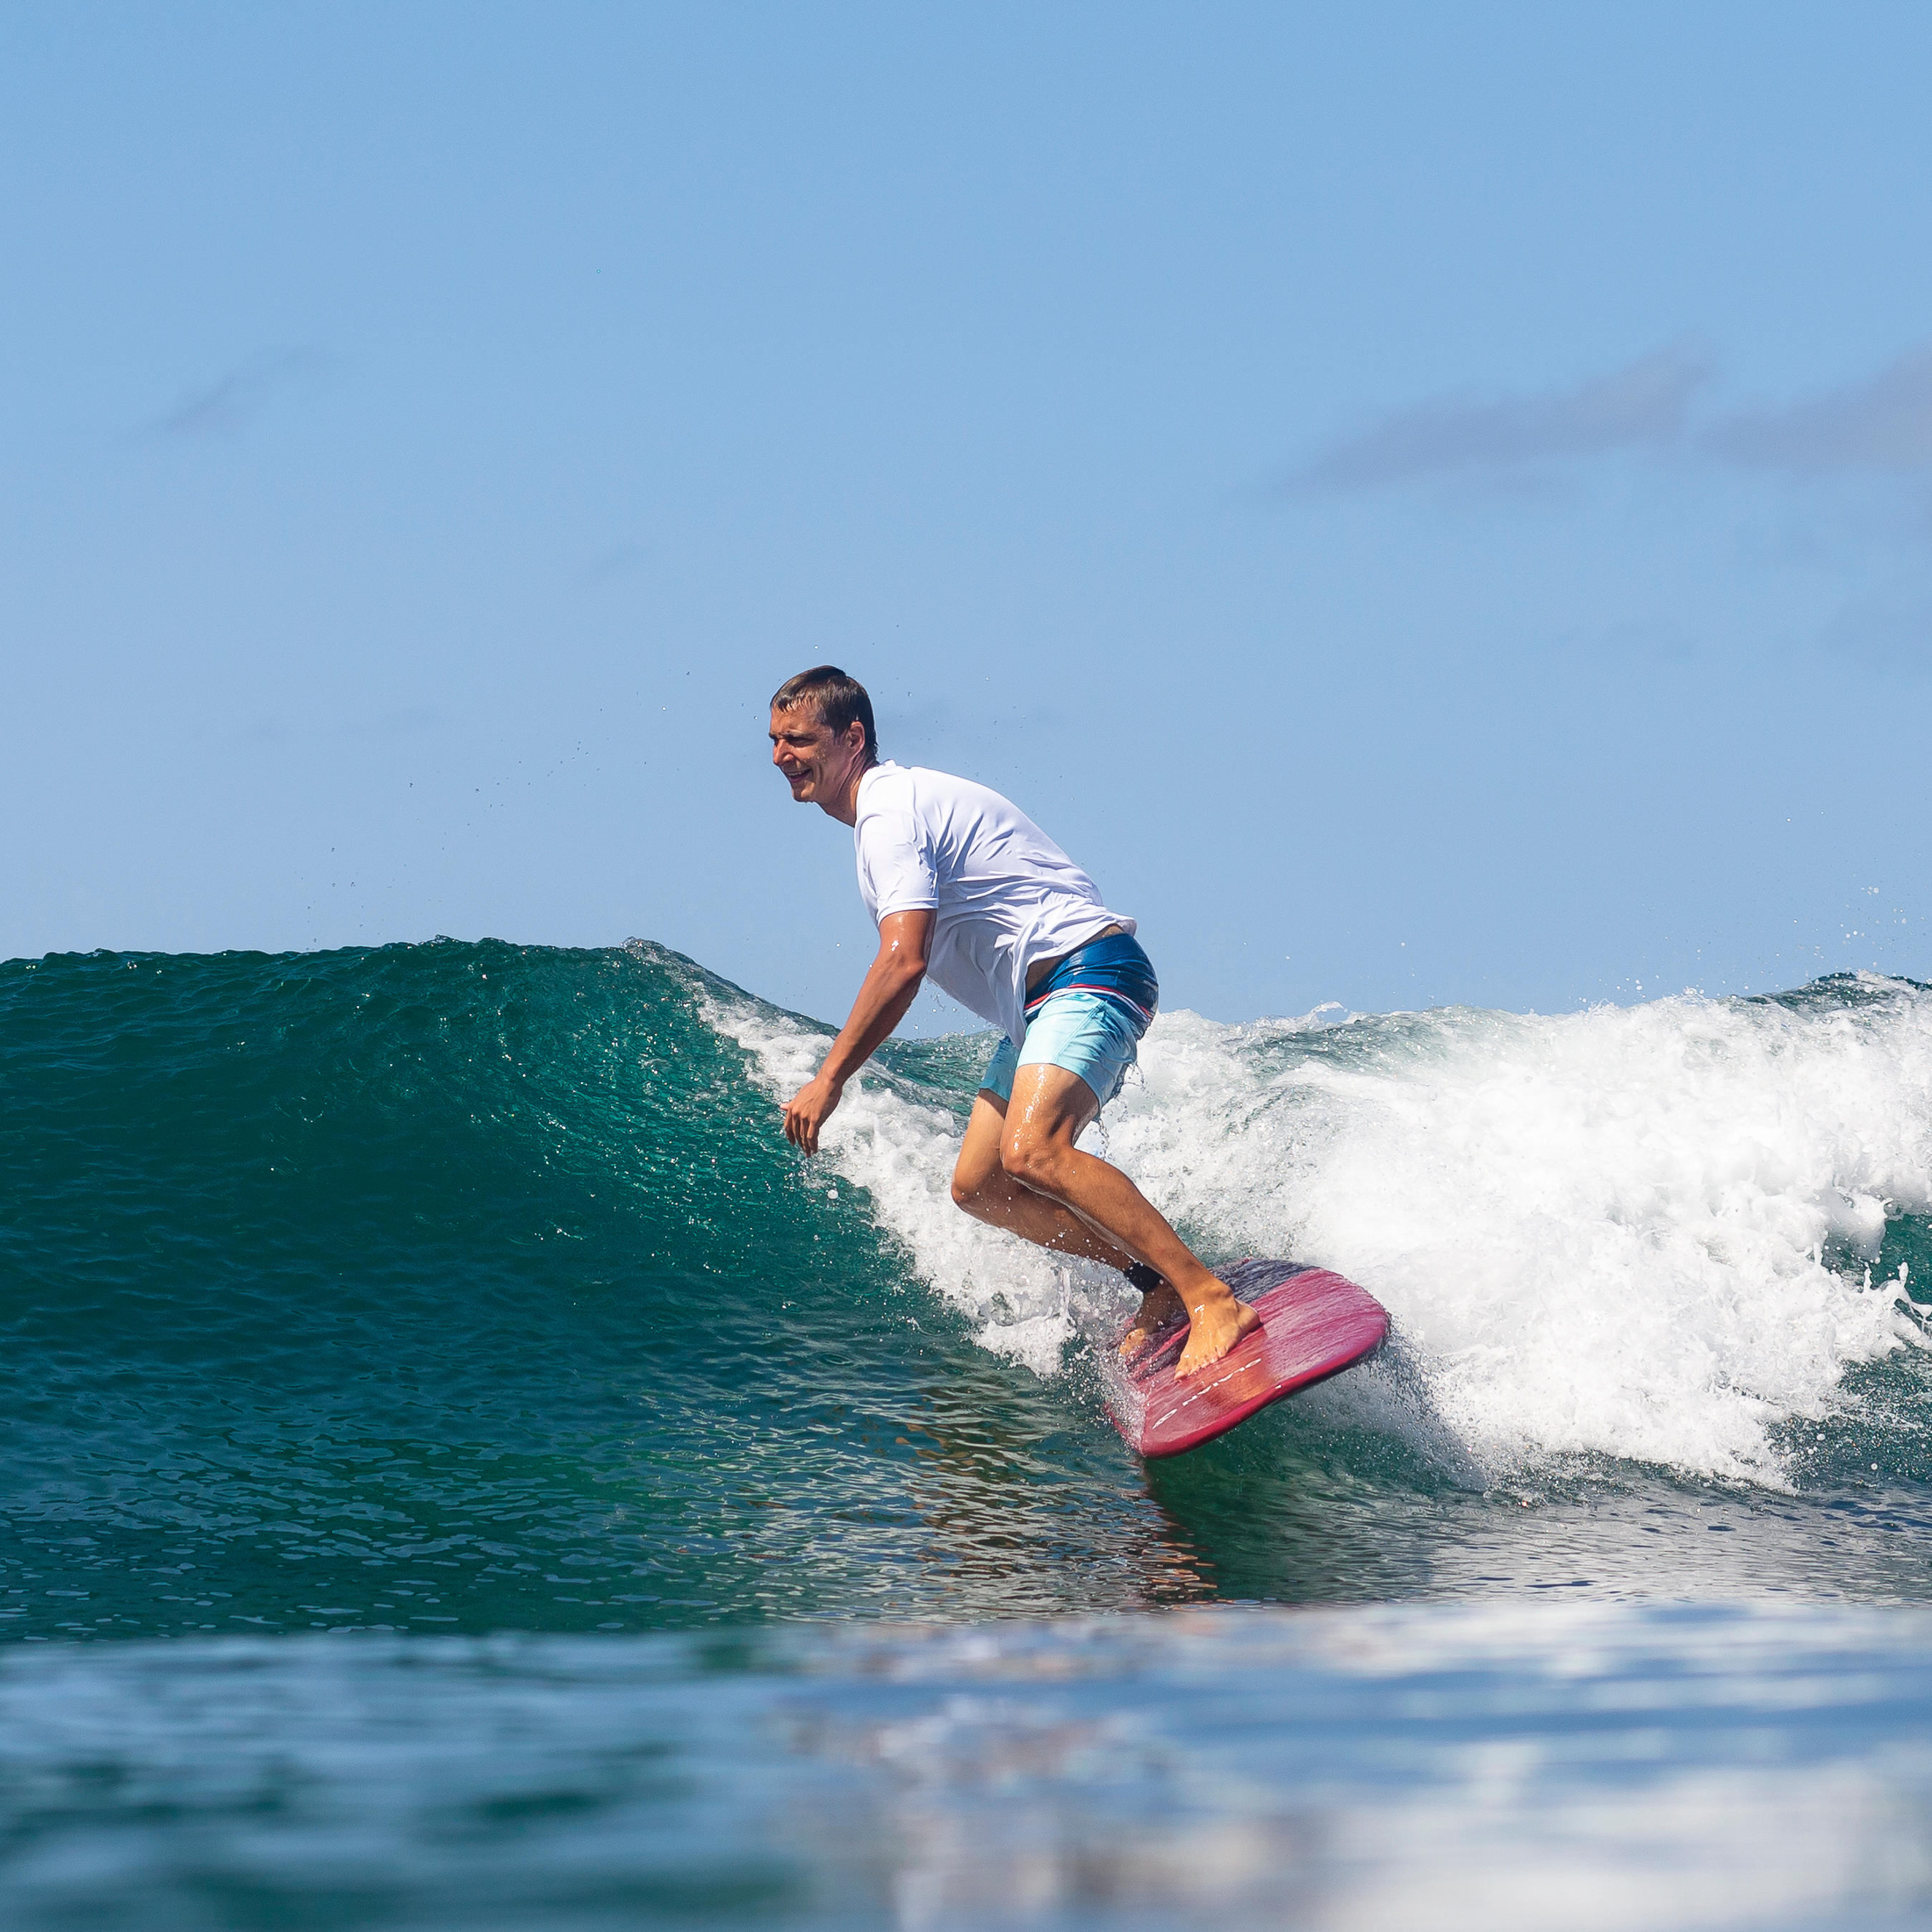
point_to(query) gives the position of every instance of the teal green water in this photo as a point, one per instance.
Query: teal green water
(523, 1495)
(457, 1287)
(466, 1287)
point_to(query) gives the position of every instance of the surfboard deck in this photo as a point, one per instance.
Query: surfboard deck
(1314, 1324)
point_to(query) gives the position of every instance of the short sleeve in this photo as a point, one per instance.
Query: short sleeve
(897, 865)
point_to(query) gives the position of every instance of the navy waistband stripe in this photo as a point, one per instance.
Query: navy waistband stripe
(1115, 969)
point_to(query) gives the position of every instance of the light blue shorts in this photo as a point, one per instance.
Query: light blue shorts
(1081, 1032)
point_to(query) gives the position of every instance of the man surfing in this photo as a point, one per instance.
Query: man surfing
(963, 886)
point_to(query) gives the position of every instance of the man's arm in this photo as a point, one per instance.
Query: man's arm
(891, 984)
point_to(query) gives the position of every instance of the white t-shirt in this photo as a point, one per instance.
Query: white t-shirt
(1005, 894)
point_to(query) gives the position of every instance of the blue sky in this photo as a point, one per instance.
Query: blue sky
(1426, 504)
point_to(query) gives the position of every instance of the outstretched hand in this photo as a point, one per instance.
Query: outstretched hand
(808, 1109)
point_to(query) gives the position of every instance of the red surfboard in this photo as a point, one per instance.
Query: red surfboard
(1314, 1324)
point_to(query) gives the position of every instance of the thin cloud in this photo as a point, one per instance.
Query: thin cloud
(222, 407)
(1892, 641)
(1653, 640)
(1644, 406)
(939, 722)
(1883, 424)
(622, 560)
(392, 724)
(270, 729)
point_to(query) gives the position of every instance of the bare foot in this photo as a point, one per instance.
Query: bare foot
(1219, 1323)
(1160, 1308)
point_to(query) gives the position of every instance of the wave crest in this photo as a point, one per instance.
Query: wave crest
(1663, 1233)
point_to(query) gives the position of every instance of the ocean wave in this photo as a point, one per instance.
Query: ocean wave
(1662, 1233)
(492, 1250)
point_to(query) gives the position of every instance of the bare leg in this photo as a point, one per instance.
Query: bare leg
(1049, 1108)
(983, 1187)
(986, 1191)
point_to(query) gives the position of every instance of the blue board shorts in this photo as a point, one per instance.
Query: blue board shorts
(1088, 1015)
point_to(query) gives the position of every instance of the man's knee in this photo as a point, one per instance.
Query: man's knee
(977, 1185)
(1035, 1161)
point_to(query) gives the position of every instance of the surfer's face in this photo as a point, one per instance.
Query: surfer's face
(817, 765)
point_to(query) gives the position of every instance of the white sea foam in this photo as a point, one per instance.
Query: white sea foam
(1024, 1301)
(1640, 1232)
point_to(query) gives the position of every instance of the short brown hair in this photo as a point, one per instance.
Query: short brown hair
(836, 698)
